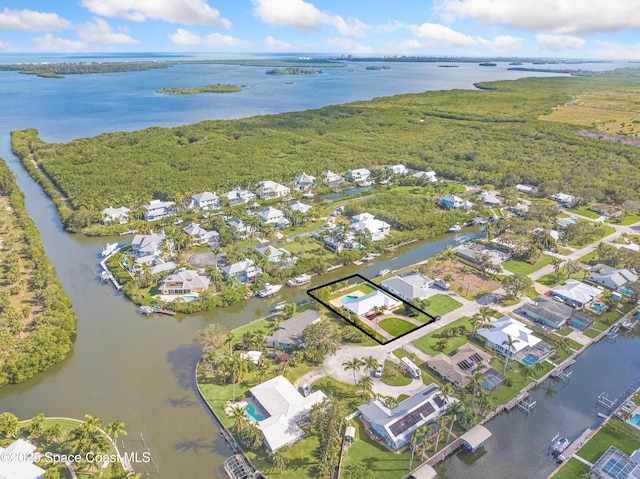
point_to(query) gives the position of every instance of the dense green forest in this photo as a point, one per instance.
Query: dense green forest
(217, 88)
(293, 71)
(489, 136)
(37, 323)
(58, 70)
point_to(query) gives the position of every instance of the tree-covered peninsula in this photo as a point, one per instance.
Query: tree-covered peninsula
(217, 88)
(293, 71)
(37, 323)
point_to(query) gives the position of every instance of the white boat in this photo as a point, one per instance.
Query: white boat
(384, 272)
(560, 445)
(109, 249)
(269, 290)
(308, 195)
(280, 306)
(104, 276)
(146, 310)
(299, 280)
(455, 228)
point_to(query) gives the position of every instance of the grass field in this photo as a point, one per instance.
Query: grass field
(583, 211)
(522, 267)
(429, 342)
(442, 304)
(616, 433)
(396, 326)
(571, 470)
(630, 219)
(392, 376)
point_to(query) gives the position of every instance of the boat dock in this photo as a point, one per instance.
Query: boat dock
(156, 309)
(109, 275)
(400, 245)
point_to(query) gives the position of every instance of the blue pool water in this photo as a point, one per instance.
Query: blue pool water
(190, 297)
(626, 292)
(530, 359)
(579, 324)
(349, 298)
(635, 420)
(598, 306)
(251, 414)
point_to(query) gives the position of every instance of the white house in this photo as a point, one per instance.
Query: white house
(238, 196)
(575, 293)
(490, 198)
(367, 303)
(299, 206)
(610, 277)
(200, 235)
(332, 179)
(205, 201)
(370, 227)
(284, 408)
(453, 201)
(360, 174)
(271, 189)
(17, 461)
(158, 209)
(499, 332)
(398, 169)
(409, 286)
(528, 189)
(184, 281)
(147, 245)
(115, 215)
(564, 199)
(304, 182)
(431, 175)
(244, 271)
(273, 216)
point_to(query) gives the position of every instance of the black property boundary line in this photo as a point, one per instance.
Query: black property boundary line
(341, 313)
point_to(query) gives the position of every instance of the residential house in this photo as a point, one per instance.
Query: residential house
(238, 227)
(396, 425)
(305, 182)
(271, 189)
(299, 206)
(289, 332)
(332, 179)
(244, 271)
(564, 222)
(276, 255)
(115, 215)
(205, 201)
(546, 311)
(608, 211)
(497, 337)
(147, 245)
(453, 201)
(339, 239)
(238, 196)
(17, 461)
(360, 174)
(398, 169)
(575, 293)
(431, 175)
(370, 227)
(610, 277)
(520, 209)
(158, 209)
(409, 285)
(528, 189)
(615, 464)
(284, 407)
(201, 236)
(160, 266)
(366, 304)
(490, 198)
(184, 281)
(565, 200)
(475, 254)
(273, 216)
(459, 368)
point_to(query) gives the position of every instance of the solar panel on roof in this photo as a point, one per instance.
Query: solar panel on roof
(464, 364)
(411, 419)
(439, 401)
(475, 357)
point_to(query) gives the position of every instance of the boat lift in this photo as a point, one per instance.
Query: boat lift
(526, 404)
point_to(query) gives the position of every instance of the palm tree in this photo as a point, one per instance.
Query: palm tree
(115, 429)
(415, 438)
(477, 321)
(453, 410)
(370, 363)
(354, 364)
(476, 378)
(278, 459)
(447, 390)
(426, 433)
(216, 252)
(390, 401)
(509, 342)
(239, 418)
(366, 385)
(557, 263)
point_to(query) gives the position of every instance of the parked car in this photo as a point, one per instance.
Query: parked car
(306, 390)
(439, 283)
(378, 372)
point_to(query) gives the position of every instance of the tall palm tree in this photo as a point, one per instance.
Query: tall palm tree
(425, 434)
(240, 421)
(415, 438)
(115, 429)
(477, 321)
(366, 385)
(278, 459)
(509, 343)
(453, 410)
(476, 378)
(447, 390)
(370, 363)
(353, 364)
(438, 430)
(557, 263)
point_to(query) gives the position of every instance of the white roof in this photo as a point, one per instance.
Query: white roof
(204, 196)
(16, 466)
(412, 286)
(304, 178)
(272, 185)
(421, 174)
(148, 243)
(365, 304)
(299, 206)
(158, 204)
(577, 291)
(115, 212)
(243, 265)
(189, 279)
(500, 330)
(270, 213)
(563, 197)
(362, 217)
(238, 193)
(360, 172)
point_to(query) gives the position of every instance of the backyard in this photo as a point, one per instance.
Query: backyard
(522, 267)
(464, 280)
(441, 304)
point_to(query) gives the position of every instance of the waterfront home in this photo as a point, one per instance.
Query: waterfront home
(160, 266)
(563, 199)
(615, 464)
(274, 255)
(244, 271)
(608, 211)
(271, 189)
(430, 175)
(459, 368)
(184, 281)
(519, 209)
(455, 202)
(271, 215)
(304, 182)
(238, 196)
(576, 293)
(284, 407)
(147, 245)
(610, 277)
(238, 227)
(475, 254)
(359, 174)
(332, 179)
(368, 226)
(18, 461)
(498, 333)
(490, 198)
(290, 332)
(409, 285)
(546, 311)
(115, 215)
(363, 305)
(528, 189)
(398, 169)
(396, 425)
(299, 206)
(201, 236)
(339, 239)
(205, 201)
(158, 209)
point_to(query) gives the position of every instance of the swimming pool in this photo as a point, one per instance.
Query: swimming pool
(635, 420)
(349, 298)
(598, 306)
(578, 324)
(530, 359)
(190, 297)
(251, 414)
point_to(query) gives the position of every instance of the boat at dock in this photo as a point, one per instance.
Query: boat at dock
(280, 306)
(269, 290)
(299, 280)
(104, 276)
(455, 228)
(384, 272)
(559, 445)
(156, 309)
(109, 249)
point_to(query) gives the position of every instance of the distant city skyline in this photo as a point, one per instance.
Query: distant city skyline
(523, 28)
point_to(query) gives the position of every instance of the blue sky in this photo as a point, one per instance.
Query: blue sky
(608, 29)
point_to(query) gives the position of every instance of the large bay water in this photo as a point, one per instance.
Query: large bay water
(140, 369)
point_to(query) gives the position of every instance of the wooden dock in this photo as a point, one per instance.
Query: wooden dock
(400, 245)
(105, 268)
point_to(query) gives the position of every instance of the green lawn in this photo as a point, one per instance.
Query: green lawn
(590, 258)
(592, 333)
(571, 470)
(563, 251)
(630, 219)
(392, 376)
(636, 398)
(396, 326)
(616, 433)
(299, 456)
(522, 267)
(339, 390)
(264, 326)
(442, 304)
(583, 211)
(429, 342)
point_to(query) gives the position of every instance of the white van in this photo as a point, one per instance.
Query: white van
(412, 369)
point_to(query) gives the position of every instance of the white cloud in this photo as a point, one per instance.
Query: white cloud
(49, 43)
(186, 38)
(346, 45)
(390, 27)
(305, 17)
(32, 21)
(279, 45)
(557, 16)
(616, 51)
(100, 31)
(188, 12)
(404, 46)
(443, 36)
(502, 43)
(559, 42)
